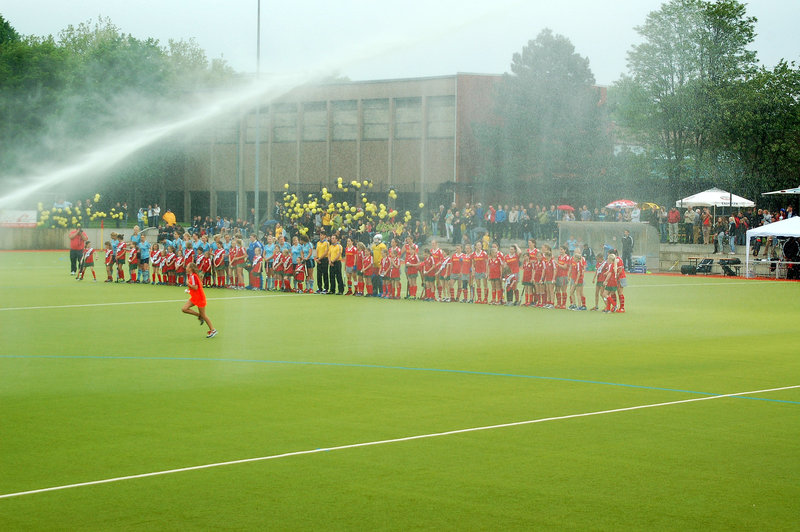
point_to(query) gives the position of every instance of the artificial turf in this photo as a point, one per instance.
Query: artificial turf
(100, 381)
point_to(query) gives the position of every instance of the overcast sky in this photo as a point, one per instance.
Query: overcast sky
(378, 39)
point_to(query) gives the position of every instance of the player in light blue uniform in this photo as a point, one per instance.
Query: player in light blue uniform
(144, 260)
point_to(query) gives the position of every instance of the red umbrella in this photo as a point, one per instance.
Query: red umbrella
(621, 204)
(565, 208)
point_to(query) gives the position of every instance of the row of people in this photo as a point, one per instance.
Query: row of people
(533, 277)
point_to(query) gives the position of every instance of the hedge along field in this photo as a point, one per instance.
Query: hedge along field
(103, 381)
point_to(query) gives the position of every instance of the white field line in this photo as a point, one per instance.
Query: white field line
(151, 301)
(382, 442)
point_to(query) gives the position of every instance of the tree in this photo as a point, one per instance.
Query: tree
(552, 123)
(762, 128)
(7, 33)
(693, 52)
(58, 95)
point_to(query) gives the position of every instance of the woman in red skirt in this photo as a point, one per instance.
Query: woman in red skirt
(197, 298)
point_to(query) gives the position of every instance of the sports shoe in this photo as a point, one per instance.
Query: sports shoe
(594, 308)
(211, 333)
(582, 307)
(620, 310)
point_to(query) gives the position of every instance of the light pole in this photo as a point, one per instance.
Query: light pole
(257, 185)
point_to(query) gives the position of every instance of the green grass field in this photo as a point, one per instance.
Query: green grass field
(102, 381)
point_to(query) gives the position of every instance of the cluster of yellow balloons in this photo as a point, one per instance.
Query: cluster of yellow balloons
(72, 216)
(343, 213)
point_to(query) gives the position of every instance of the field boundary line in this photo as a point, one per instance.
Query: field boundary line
(44, 307)
(384, 442)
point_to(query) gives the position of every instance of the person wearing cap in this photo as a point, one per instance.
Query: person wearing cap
(77, 239)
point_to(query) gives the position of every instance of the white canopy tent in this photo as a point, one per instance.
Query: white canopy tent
(795, 190)
(714, 197)
(786, 228)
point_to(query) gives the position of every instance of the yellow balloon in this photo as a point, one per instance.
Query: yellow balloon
(421, 205)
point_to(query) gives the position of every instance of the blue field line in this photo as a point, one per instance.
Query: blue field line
(379, 366)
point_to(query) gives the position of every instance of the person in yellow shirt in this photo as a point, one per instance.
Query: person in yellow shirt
(322, 264)
(378, 251)
(169, 218)
(335, 265)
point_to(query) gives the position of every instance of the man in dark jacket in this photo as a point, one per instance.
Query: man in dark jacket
(627, 250)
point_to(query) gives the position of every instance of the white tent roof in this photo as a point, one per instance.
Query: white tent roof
(787, 227)
(714, 197)
(795, 190)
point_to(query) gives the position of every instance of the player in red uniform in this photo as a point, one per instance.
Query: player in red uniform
(539, 290)
(429, 268)
(197, 298)
(456, 264)
(599, 280)
(256, 270)
(622, 282)
(394, 272)
(527, 279)
(180, 269)
(512, 263)
(156, 255)
(383, 273)
(287, 269)
(577, 270)
(133, 261)
(350, 257)
(367, 268)
(438, 257)
(87, 261)
(413, 265)
(443, 277)
(467, 274)
(562, 277)
(119, 258)
(237, 260)
(109, 262)
(549, 277)
(480, 266)
(410, 249)
(610, 283)
(496, 274)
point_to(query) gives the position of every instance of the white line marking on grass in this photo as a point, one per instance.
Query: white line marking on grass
(382, 442)
(136, 302)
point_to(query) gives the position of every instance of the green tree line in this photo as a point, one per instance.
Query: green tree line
(57, 92)
(695, 110)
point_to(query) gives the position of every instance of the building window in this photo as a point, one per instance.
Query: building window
(227, 133)
(441, 117)
(263, 120)
(376, 119)
(284, 122)
(345, 120)
(408, 118)
(315, 121)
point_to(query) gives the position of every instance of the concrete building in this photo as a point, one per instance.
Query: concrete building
(413, 135)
